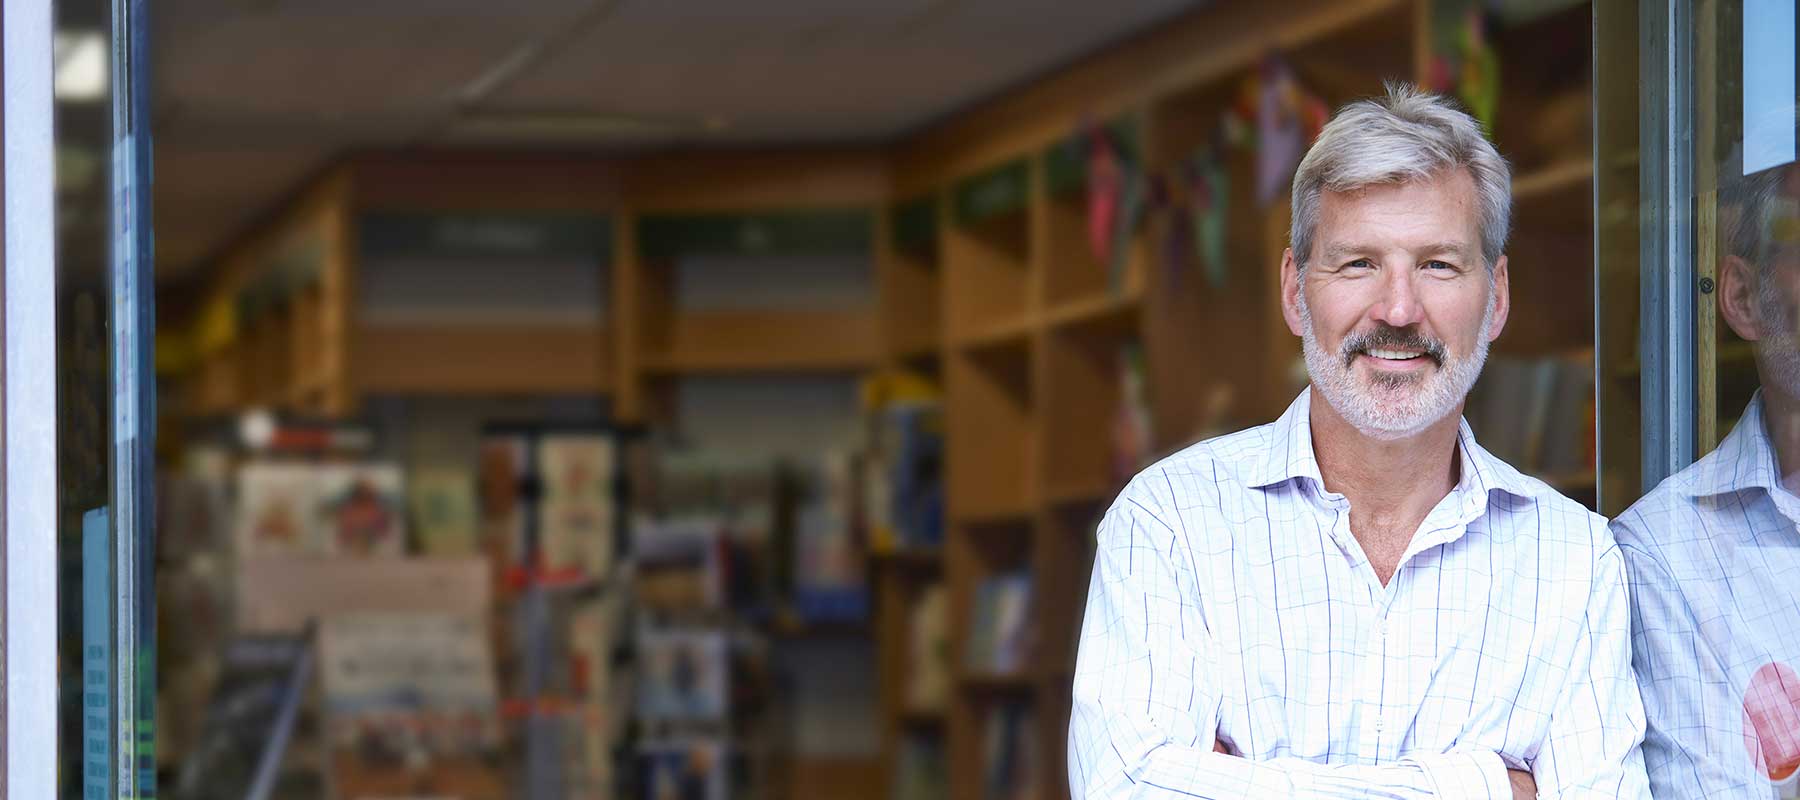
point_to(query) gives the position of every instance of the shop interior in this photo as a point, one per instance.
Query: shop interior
(610, 399)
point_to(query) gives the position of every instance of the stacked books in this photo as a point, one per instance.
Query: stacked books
(928, 651)
(920, 769)
(1009, 745)
(1000, 632)
(1537, 414)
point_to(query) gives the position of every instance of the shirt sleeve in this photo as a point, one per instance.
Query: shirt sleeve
(1693, 741)
(1145, 714)
(1597, 724)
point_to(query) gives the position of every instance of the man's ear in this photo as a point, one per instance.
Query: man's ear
(1737, 298)
(1502, 299)
(1290, 292)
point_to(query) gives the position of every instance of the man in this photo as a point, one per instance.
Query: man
(1357, 600)
(1714, 551)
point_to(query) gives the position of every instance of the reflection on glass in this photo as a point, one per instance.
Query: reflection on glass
(1712, 552)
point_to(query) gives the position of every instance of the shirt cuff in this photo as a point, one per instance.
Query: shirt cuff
(1465, 774)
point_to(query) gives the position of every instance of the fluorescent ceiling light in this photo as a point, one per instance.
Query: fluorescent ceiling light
(81, 69)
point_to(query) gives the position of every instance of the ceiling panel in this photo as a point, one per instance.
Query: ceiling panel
(206, 196)
(801, 70)
(253, 96)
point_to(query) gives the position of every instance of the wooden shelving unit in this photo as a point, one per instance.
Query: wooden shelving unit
(984, 281)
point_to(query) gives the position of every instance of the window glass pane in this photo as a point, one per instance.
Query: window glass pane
(105, 407)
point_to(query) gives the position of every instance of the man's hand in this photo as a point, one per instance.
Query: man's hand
(1524, 788)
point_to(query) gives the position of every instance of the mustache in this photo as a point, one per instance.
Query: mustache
(1388, 337)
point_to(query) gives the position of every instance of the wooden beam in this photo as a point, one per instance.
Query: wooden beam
(1198, 48)
(482, 359)
(769, 341)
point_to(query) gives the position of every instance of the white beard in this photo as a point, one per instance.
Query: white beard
(1779, 348)
(1400, 410)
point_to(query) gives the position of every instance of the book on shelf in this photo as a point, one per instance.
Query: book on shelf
(829, 574)
(445, 522)
(680, 564)
(1536, 413)
(503, 473)
(1132, 439)
(575, 510)
(1009, 748)
(683, 675)
(903, 487)
(688, 768)
(921, 771)
(1569, 442)
(1000, 632)
(928, 651)
(601, 696)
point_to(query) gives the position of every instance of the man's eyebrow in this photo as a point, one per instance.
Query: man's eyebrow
(1336, 252)
(1449, 248)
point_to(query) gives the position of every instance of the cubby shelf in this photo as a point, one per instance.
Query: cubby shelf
(1071, 493)
(1573, 174)
(921, 718)
(990, 682)
(917, 558)
(999, 514)
(1113, 315)
(1006, 336)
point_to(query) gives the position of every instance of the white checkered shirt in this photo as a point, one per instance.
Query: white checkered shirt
(1230, 598)
(1714, 558)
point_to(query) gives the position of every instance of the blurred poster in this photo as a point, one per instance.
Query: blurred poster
(360, 509)
(402, 690)
(443, 511)
(277, 511)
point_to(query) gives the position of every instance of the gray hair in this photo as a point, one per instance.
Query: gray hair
(1406, 135)
(1748, 206)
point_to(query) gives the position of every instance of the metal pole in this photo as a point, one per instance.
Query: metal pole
(1666, 245)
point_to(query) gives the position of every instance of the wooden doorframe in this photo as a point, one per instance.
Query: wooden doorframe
(28, 568)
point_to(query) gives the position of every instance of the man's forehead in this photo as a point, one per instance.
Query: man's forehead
(1353, 244)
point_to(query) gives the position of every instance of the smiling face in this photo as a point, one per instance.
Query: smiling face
(1396, 308)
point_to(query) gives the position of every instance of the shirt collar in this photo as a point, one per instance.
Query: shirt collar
(1290, 455)
(1744, 460)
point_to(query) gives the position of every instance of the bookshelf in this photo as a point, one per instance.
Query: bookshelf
(984, 281)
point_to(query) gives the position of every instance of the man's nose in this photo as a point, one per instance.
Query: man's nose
(1398, 305)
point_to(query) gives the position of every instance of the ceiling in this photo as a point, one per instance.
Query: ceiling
(254, 96)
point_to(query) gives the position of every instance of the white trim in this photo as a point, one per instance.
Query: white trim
(29, 391)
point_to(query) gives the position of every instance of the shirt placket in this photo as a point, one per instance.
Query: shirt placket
(1370, 657)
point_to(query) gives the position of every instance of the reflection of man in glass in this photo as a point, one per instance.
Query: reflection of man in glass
(1714, 551)
(1358, 600)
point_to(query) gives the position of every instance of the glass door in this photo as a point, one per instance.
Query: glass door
(105, 402)
(1698, 200)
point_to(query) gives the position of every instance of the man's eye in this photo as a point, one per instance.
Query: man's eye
(1361, 263)
(1440, 265)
